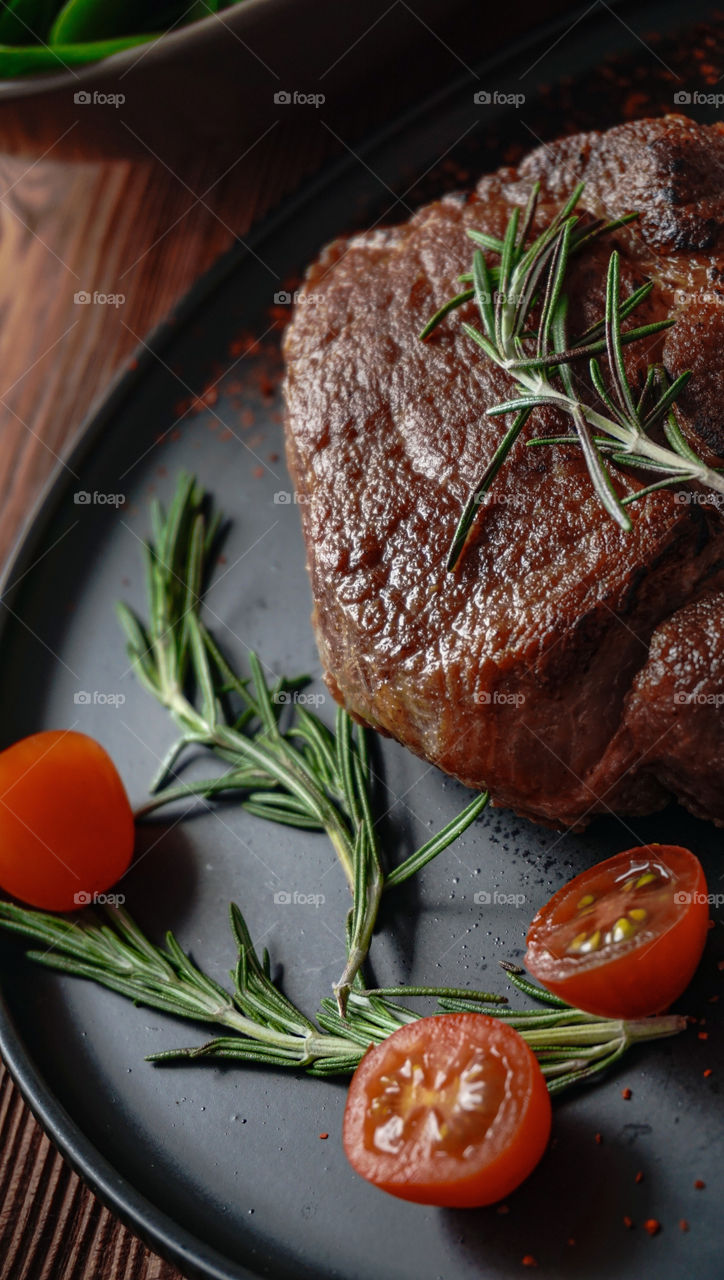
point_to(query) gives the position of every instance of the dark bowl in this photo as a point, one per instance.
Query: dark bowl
(217, 84)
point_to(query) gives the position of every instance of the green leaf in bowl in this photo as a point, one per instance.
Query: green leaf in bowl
(20, 60)
(23, 21)
(81, 20)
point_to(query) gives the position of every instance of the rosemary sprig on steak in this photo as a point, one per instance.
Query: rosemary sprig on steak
(529, 284)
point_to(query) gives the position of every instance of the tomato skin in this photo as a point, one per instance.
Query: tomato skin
(627, 980)
(506, 1153)
(66, 826)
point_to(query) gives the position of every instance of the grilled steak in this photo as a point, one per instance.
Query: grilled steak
(559, 665)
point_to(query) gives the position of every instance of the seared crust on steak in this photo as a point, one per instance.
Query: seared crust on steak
(523, 671)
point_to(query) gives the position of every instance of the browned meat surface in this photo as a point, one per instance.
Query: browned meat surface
(546, 668)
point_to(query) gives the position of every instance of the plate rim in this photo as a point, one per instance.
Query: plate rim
(153, 1225)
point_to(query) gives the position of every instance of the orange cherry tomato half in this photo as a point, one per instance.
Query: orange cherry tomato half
(450, 1110)
(66, 827)
(624, 939)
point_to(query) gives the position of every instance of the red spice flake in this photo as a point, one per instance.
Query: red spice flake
(628, 1222)
(683, 1224)
(247, 418)
(227, 434)
(699, 1184)
(206, 400)
(266, 387)
(639, 1176)
(653, 1226)
(626, 1093)
(132, 364)
(273, 457)
(175, 435)
(323, 1136)
(713, 1000)
(634, 105)
(599, 1138)
(258, 472)
(529, 1261)
(702, 1035)
(571, 1241)
(707, 1073)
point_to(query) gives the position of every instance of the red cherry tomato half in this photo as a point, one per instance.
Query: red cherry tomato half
(66, 827)
(451, 1110)
(624, 939)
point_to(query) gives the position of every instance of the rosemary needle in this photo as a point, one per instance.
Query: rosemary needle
(530, 281)
(259, 1024)
(303, 775)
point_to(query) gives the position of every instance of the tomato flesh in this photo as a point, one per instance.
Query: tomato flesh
(66, 827)
(451, 1110)
(624, 939)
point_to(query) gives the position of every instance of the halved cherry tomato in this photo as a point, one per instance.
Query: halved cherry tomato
(66, 827)
(450, 1110)
(624, 939)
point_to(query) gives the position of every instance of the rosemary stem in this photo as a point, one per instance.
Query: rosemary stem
(361, 943)
(631, 442)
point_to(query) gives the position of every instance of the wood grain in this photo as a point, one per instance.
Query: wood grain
(121, 227)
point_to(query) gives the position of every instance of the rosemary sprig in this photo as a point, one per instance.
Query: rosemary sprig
(303, 775)
(261, 1025)
(529, 282)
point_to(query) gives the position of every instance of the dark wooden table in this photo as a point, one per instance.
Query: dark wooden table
(123, 227)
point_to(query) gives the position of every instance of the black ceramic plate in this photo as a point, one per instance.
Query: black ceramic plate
(223, 1169)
